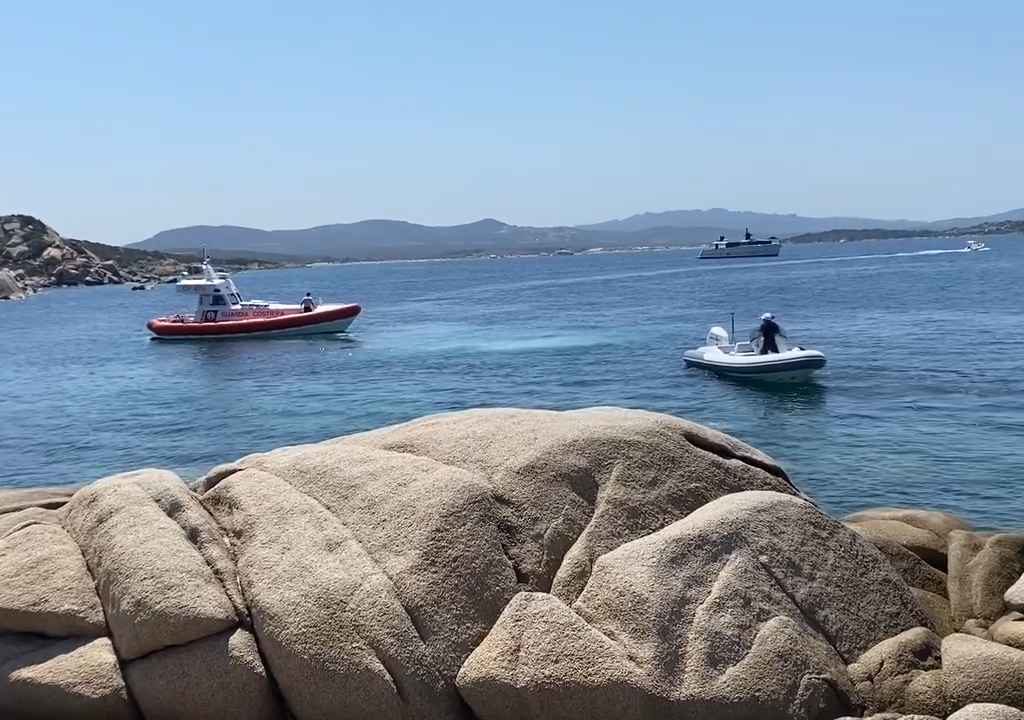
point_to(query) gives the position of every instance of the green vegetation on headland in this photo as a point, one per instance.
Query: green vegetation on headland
(34, 256)
(989, 228)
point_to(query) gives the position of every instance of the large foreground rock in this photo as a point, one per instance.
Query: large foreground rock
(745, 609)
(572, 485)
(375, 564)
(482, 565)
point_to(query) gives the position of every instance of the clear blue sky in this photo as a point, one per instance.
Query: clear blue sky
(117, 122)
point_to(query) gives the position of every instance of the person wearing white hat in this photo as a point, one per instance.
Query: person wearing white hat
(768, 331)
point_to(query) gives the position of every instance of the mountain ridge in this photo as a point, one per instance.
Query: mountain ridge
(402, 240)
(788, 223)
(383, 239)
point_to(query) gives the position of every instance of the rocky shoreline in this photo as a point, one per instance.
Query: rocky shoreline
(499, 564)
(34, 256)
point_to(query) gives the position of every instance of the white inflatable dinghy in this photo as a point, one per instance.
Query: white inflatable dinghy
(743, 359)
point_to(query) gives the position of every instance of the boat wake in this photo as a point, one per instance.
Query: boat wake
(604, 277)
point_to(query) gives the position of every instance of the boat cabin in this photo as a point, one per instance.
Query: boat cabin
(219, 299)
(747, 241)
(740, 243)
(217, 293)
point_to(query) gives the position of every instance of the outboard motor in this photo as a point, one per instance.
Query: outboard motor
(717, 336)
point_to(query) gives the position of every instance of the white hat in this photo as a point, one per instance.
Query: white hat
(767, 316)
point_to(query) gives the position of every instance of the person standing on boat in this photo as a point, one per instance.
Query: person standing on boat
(308, 304)
(768, 331)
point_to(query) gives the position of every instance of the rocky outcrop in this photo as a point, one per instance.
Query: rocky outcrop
(10, 286)
(438, 524)
(69, 678)
(221, 676)
(1009, 630)
(987, 711)
(33, 255)
(690, 621)
(982, 671)
(923, 532)
(156, 588)
(483, 565)
(900, 674)
(45, 587)
(983, 568)
(49, 498)
(1014, 596)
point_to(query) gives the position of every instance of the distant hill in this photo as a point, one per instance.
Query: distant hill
(964, 222)
(396, 240)
(155, 264)
(733, 220)
(789, 224)
(399, 240)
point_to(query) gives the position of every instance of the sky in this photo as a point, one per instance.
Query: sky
(118, 121)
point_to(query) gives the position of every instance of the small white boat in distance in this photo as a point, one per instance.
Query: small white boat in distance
(744, 360)
(975, 245)
(748, 247)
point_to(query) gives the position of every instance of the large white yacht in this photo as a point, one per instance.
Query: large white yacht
(746, 248)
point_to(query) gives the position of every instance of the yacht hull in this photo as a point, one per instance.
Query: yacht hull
(747, 251)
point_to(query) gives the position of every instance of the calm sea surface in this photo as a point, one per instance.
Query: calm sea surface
(922, 402)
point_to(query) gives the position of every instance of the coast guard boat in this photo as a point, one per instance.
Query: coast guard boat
(222, 313)
(744, 360)
(748, 247)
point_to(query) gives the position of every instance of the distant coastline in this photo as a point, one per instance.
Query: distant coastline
(376, 240)
(33, 256)
(1008, 227)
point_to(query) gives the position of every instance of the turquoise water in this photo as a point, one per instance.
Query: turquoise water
(921, 402)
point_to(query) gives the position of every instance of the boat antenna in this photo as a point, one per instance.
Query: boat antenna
(732, 326)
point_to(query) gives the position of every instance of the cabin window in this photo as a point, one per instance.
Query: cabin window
(218, 300)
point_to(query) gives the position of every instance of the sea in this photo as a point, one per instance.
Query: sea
(921, 403)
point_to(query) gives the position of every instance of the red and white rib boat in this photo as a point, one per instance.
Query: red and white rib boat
(222, 313)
